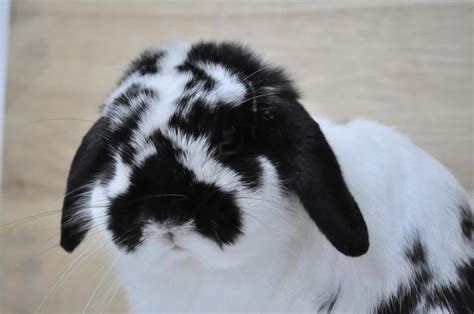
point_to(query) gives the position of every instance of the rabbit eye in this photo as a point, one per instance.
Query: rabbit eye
(231, 141)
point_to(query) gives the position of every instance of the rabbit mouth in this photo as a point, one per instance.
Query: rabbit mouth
(176, 251)
(177, 248)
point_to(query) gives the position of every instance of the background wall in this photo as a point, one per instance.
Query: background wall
(406, 63)
(4, 31)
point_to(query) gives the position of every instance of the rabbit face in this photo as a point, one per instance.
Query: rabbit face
(206, 152)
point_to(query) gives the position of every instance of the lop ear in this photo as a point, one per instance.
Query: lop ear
(325, 196)
(88, 161)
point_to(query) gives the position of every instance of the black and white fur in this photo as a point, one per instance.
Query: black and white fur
(217, 191)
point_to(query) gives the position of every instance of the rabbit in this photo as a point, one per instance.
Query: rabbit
(215, 190)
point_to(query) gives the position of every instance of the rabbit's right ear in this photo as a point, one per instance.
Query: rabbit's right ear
(326, 197)
(89, 160)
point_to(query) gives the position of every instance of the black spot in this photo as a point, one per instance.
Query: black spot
(215, 213)
(417, 254)
(246, 65)
(146, 63)
(328, 305)
(134, 91)
(199, 76)
(122, 131)
(210, 123)
(467, 222)
(407, 298)
(458, 298)
(455, 299)
(122, 135)
(200, 121)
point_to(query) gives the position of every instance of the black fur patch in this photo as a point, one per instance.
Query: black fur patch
(200, 77)
(455, 299)
(407, 299)
(133, 92)
(146, 63)
(327, 306)
(467, 222)
(121, 135)
(417, 254)
(202, 121)
(162, 190)
(242, 62)
(120, 138)
(460, 298)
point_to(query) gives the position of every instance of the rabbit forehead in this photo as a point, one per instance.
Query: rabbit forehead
(163, 83)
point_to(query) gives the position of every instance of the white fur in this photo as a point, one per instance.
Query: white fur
(121, 179)
(282, 262)
(168, 84)
(229, 89)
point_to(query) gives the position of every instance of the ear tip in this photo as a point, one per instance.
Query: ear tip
(359, 250)
(69, 242)
(67, 246)
(356, 248)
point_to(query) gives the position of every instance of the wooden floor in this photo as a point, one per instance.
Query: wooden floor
(406, 63)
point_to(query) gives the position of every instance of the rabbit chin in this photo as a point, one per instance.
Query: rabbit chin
(190, 249)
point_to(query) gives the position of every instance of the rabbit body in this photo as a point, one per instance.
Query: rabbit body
(215, 190)
(420, 259)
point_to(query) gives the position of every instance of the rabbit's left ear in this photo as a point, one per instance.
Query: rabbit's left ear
(88, 161)
(321, 188)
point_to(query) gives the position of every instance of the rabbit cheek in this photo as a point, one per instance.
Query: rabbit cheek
(216, 214)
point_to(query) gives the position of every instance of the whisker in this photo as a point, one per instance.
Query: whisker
(259, 199)
(51, 238)
(104, 277)
(107, 297)
(8, 232)
(48, 229)
(67, 271)
(26, 219)
(112, 297)
(275, 228)
(257, 96)
(58, 119)
(255, 72)
(91, 235)
(47, 250)
(161, 195)
(68, 131)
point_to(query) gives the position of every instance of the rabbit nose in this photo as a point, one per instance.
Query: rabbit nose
(169, 236)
